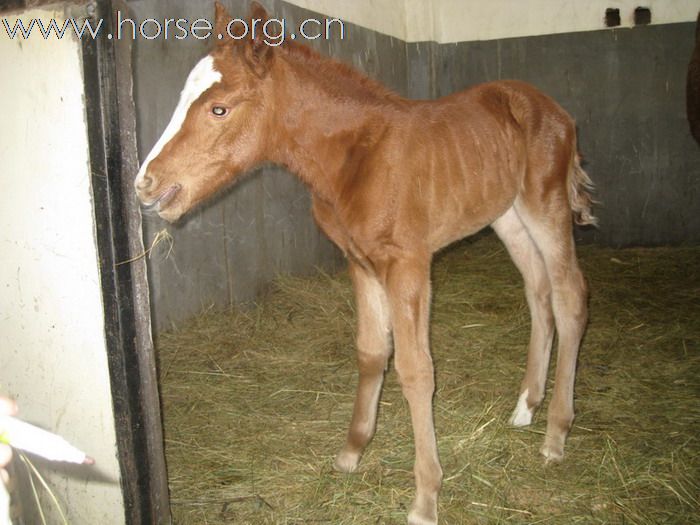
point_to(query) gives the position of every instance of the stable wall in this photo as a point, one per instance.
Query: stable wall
(53, 357)
(451, 21)
(626, 90)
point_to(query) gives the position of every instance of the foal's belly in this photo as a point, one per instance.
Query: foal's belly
(449, 227)
(465, 203)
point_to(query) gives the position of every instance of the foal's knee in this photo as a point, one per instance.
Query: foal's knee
(372, 363)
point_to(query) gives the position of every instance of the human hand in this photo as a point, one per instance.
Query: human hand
(7, 408)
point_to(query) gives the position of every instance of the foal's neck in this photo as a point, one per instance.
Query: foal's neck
(328, 118)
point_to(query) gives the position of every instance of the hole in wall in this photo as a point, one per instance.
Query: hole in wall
(642, 16)
(612, 17)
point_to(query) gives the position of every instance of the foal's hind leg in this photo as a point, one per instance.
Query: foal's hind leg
(538, 292)
(373, 350)
(550, 226)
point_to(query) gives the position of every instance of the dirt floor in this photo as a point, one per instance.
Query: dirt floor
(256, 403)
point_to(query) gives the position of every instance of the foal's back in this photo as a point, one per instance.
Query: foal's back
(461, 161)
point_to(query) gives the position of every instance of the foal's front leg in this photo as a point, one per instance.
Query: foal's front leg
(408, 288)
(373, 350)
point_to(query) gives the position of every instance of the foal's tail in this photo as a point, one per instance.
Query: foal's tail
(580, 188)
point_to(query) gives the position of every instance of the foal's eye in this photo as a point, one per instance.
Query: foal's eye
(219, 111)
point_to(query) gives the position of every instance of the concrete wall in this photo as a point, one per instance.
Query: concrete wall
(53, 356)
(626, 90)
(624, 86)
(450, 21)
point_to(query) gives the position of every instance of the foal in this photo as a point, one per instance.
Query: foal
(393, 181)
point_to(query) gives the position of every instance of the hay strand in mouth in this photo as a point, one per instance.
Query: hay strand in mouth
(163, 236)
(257, 402)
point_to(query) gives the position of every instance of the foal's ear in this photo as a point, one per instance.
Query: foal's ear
(259, 12)
(221, 21)
(224, 27)
(258, 52)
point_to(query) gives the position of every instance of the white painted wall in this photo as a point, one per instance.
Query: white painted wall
(52, 351)
(448, 21)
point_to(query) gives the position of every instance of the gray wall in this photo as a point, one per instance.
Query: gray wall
(625, 87)
(626, 90)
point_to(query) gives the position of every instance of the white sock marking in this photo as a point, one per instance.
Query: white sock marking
(522, 415)
(202, 77)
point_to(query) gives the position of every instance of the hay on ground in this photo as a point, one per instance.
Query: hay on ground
(256, 403)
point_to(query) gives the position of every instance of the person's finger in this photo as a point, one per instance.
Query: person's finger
(5, 455)
(7, 406)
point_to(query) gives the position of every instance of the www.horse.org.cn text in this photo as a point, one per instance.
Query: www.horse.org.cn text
(274, 30)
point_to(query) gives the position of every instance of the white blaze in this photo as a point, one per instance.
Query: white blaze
(201, 78)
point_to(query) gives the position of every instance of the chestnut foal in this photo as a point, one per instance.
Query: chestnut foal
(393, 181)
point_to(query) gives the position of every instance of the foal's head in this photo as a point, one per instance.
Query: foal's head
(220, 125)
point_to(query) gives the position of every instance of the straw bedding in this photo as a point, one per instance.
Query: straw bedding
(257, 402)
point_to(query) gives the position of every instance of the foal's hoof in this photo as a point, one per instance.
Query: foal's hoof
(423, 512)
(551, 455)
(415, 518)
(554, 439)
(552, 451)
(346, 461)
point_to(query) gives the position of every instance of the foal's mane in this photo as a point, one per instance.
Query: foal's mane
(340, 77)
